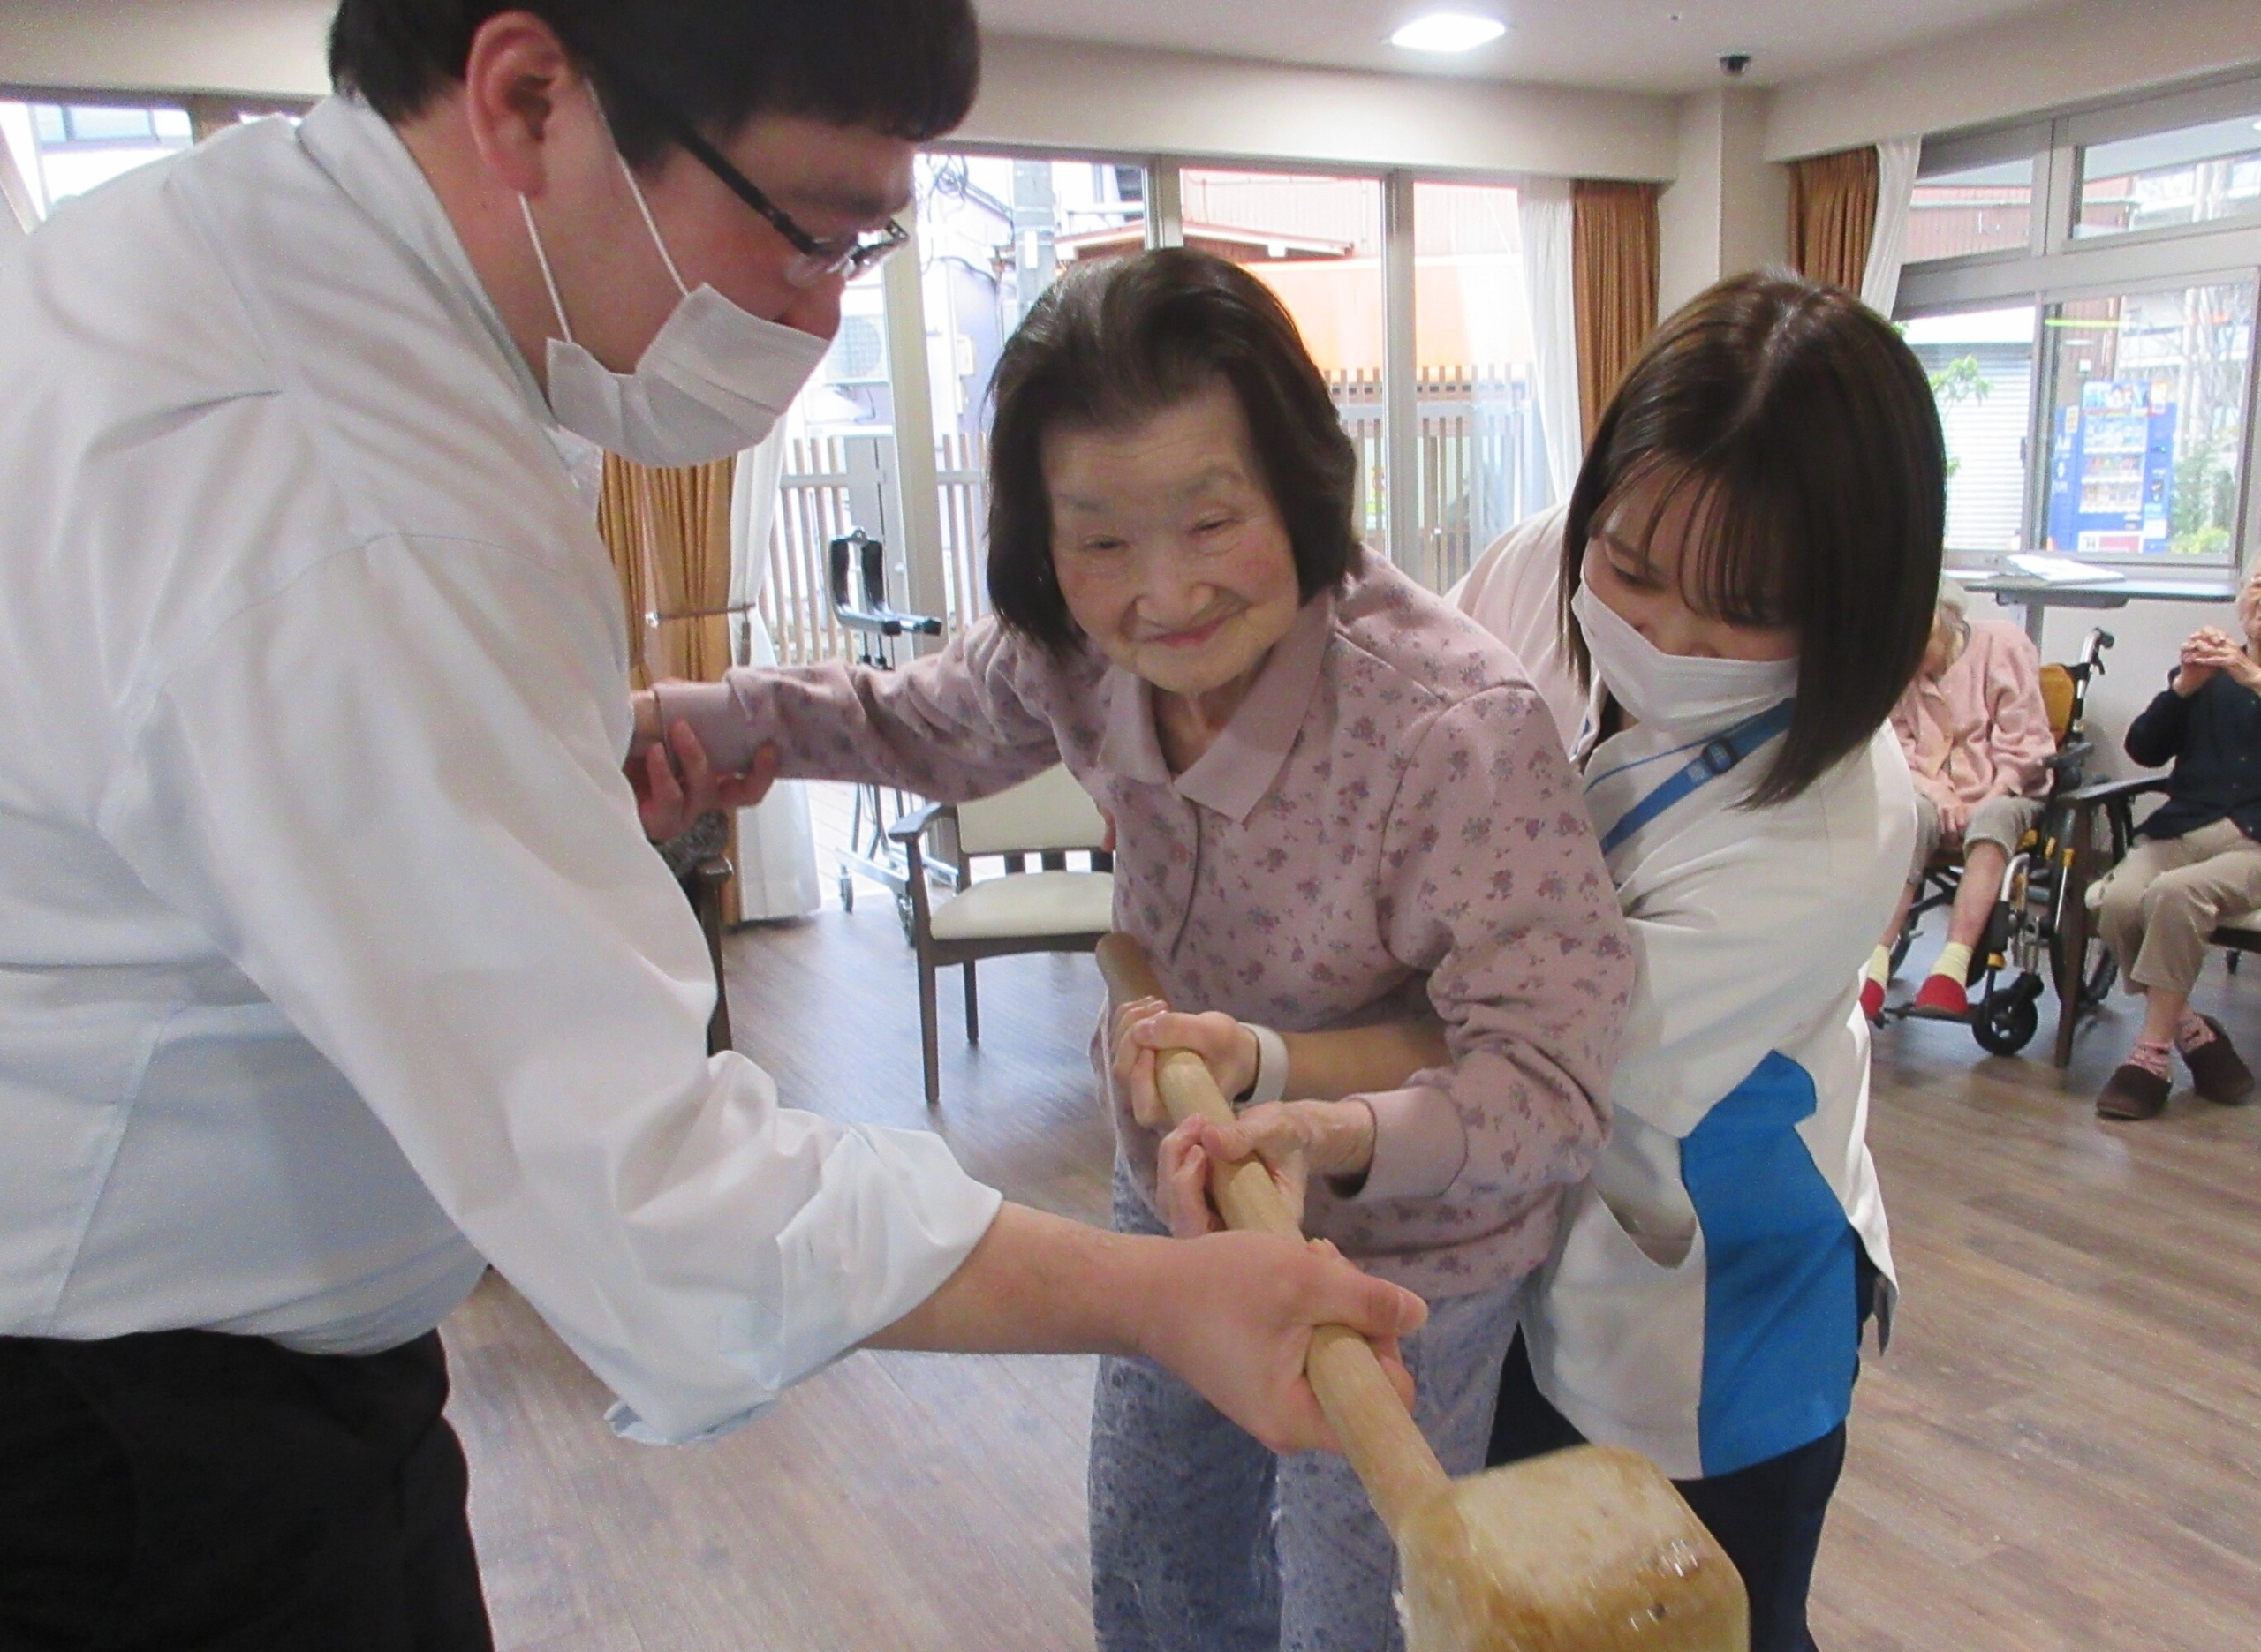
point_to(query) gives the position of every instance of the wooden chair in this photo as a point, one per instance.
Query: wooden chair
(1050, 909)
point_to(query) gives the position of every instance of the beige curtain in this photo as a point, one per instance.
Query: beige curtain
(1833, 215)
(1613, 259)
(670, 535)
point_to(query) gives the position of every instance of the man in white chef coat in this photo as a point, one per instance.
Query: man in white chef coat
(333, 962)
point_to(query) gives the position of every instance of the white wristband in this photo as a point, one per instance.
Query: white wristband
(1271, 1067)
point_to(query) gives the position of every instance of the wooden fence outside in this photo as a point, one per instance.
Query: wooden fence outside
(1483, 468)
(813, 511)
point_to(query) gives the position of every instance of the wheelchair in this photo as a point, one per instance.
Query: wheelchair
(2035, 938)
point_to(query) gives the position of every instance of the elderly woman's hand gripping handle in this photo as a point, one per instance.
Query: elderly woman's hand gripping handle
(1362, 1388)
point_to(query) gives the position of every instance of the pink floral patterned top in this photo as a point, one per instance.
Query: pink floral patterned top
(1387, 816)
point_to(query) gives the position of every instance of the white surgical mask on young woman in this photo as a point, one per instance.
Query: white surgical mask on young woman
(1675, 693)
(713, 382)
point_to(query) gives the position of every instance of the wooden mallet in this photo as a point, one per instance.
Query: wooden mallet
(1589, 1549)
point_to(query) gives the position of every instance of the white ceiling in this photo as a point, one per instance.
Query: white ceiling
(1632, 45)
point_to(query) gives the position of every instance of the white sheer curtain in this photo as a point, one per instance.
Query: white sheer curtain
(1895, 188)
(776, 854)
(1544, 206)
(21, 217)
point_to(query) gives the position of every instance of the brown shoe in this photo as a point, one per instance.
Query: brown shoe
(2217, 1071)
(2132, 1092)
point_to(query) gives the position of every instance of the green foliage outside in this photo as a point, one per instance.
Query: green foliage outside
(1960, 381)
(2204, 505)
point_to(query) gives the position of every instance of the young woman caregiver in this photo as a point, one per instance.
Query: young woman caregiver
(1749, 560)
(1334, 798)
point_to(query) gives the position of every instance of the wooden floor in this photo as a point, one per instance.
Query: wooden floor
(2062, 1449)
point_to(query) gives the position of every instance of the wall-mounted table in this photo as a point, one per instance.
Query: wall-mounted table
(2036, 596)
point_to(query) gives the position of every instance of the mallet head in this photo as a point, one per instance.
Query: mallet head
(1584, 1551)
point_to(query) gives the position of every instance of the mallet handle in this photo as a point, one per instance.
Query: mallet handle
(1393, 1460)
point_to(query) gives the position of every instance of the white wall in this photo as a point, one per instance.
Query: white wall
(2042, 60)
(1063, 94)
(1035, 94)
(1727, 209)
(258, 48)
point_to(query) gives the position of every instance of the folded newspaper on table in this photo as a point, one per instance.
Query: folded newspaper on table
(2062, 570)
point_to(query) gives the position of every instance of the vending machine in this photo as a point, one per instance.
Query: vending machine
(2112, 483)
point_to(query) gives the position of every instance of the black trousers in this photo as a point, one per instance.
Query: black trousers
(1768, 1517)
(184, 1491)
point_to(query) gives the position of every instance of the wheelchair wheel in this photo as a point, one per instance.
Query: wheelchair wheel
(2007, 1018)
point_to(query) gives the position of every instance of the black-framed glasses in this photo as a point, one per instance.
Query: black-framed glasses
(845, 255)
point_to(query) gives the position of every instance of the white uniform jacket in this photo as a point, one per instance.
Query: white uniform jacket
(1511, 592)
(1701, 1302)
(332, 960)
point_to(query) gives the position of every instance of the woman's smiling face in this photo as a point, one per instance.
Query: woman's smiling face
(1171, 555)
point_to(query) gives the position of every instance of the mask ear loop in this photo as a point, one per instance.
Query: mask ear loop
(556, 305)
(636, 190)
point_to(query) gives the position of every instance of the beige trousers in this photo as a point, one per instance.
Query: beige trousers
(2162, 902)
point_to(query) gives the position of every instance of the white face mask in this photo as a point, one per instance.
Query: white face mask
(713, 382)
(1675, 693)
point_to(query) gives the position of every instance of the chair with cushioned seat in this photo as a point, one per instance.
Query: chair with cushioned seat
(1052, 909)
(2111, 806)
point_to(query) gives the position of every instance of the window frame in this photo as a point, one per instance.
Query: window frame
(2057, 268)
(2223, 101)
(915, 476)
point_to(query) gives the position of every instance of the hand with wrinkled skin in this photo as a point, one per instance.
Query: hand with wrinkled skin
(1296, 1140)
(1145, 1027)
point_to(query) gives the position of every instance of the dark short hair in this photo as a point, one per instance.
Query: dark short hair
(1808, 432)
(1112, 343)
(908, 68)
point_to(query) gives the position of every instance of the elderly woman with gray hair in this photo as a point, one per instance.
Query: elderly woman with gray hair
(1977, 737)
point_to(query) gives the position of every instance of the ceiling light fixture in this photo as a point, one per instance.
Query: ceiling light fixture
(1448, 30)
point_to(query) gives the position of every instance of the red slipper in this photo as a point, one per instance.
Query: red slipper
(1940, 998)
(1872, 1001)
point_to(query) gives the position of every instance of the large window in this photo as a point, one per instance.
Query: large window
(994, 233)
(2191, 175)
(1981, 364)
(2147, 422)
(1483, 456)
(1409, 294)
(836, 470)
(1318, 243)
(1960, 210)
(65, 149)
(2082, 291)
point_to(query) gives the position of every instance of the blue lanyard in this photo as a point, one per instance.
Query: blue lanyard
(1714, 757)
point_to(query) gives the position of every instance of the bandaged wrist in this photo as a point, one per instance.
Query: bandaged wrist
(1271, 1080)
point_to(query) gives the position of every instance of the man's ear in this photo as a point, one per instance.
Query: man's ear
(516, 78)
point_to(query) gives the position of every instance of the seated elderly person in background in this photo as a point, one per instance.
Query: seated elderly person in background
(2194, 863)
(1977, 737)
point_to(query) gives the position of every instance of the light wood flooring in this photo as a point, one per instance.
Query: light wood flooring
(2062, 1449)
